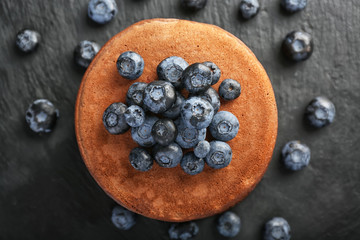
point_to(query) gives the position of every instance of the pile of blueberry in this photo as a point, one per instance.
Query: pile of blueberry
(163, 119)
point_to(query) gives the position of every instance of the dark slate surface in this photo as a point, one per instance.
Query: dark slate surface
(46, 191)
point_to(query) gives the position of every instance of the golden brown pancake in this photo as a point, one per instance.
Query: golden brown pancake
(170, 194)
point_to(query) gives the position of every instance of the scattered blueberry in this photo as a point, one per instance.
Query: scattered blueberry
(229, 89)
(27, 40)
(130, 65)
(220, 155)
(202, 149)
(295, 155)
(164, 131)
(229, 224)
(215, 72)
(171, 69)
(191, 164)
(292, 6)
(114, 119)
(41, 116)
(134, 116)
(85, 52)
(140, 159)
(197, 78)
(320, 112)
(194, 5)
(188, 137)
(102, 11)
(135, 94)
(224, 126)
(183, 231)
(277, 229)
(174, 111)
(168, 156)
(197, 112)
(212, 96)
(249, 8)
(298, 46)
(142, 135)
(159, 96)
(122, 218)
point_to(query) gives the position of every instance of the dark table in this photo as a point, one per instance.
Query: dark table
(46, 191)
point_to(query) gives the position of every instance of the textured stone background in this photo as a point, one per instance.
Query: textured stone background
(46, 191)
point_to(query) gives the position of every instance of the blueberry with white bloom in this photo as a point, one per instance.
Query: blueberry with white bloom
(320, 112)
(171, 69)
(130, 65)
(295, 155)
(249, 8)
(220, 155)
(277, 229)
(102, 11)
(114, 119)
(122, 218)
(142, 135)
(134, 116)
(229, 224)
(197, 112)
(27, 40)
(41, 116)
(85, 52)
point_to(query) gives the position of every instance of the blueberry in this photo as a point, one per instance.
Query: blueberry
(171, 69)
(114, 119)
(212, 96)
(41, 116)
(142, 135)
(298, 46)
(188, 137)
(292, 6)
(174, 111)
(193, 5)
(140, 159)
(102, 11)
(320, 112)
(220, 155)
(183, 231)
(215, 72)
(135, 94)
(191, 164)
(130, 65)
(197, 112)
(168, 156)
(85, 52)
(224, 126)
(122, 218)
(229, 224)
(277, 229)
(27, 40)
(202, 149)
(229, 89)
(134, 116)
(295, 155)
(159, 96)
(249, 8)
(164, 131)
(197, 78)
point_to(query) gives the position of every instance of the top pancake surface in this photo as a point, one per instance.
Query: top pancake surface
(170, 194)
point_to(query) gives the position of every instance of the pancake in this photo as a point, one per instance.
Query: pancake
(170, 194)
